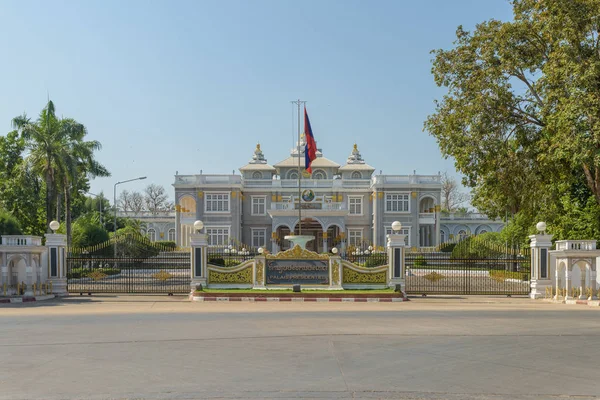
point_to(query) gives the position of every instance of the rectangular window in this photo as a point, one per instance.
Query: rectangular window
(397, 202)
(217, 236)
(259, 237)
(403, 231)
(217, 202)
(258, 205)
(355, 237)
(355, 205)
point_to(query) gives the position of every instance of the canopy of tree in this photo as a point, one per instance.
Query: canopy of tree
(521, 116)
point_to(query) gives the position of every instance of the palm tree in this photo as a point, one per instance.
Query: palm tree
(78, 162)
(44, 145)
(58, 152)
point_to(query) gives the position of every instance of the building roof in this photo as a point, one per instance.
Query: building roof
(321, 162)
(355, 162)
(258, 162)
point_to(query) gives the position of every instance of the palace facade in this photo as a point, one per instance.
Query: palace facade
(341, 205)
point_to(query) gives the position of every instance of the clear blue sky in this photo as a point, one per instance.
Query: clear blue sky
(186, 86)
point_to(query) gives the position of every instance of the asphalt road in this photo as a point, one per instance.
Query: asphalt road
(168, 348)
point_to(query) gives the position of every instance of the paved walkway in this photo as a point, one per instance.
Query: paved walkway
(113, 347)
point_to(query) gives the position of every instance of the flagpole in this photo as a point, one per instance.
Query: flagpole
(299, 102)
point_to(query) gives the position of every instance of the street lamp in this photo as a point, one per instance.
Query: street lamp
(115, 205)
(101, 197)
(396, 226)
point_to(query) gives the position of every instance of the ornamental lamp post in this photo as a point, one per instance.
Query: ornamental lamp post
(115, 205)
(396, 226)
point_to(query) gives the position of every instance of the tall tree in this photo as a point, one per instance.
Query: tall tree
(522, 111)
(452, 197)
(156, 198)
(59, 153)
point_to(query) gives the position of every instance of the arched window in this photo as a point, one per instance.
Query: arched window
(257, 175)
(482, 231)
(462, 234)
(152, 235)
(442, 236)
(293, 174)
(172, 235)
(187, 204)
(319, 174)
(356, 175)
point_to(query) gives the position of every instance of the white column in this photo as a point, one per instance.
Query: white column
(540, 265)
(325, 249)
(395, 248)
(198, 244)
(593, 284)
(57, 263)
(568, 283)
(260, 264)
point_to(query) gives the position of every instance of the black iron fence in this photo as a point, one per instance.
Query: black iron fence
(472, 267)
(140, 266)
(366, 258)
(231, 255)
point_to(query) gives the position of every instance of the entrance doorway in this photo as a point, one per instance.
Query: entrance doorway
(310, 227)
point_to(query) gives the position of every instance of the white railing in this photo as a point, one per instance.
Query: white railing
(208, 179)
(406, 179)
(426, 215)
(307, 183)
(479, 216)
(146, 214)
(284, 205)
(575, 245)
(21, 240)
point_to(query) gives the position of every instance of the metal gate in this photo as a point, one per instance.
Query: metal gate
(129, 264)
(469, 267)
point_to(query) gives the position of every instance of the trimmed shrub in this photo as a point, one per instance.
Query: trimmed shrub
(420, 261)
(9, 224)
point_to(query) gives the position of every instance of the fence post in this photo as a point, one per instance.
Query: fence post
(198, 246)
(540, 266)
(57, 262)
(395, 249)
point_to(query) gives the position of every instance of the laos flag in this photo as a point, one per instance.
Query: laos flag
(310, 153)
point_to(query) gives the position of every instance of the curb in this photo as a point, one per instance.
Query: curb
(26, 299)
(301, 299)
(589, 303)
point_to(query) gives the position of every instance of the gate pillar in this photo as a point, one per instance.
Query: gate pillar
(57, 268)
(198, 244)
(395, 248)
(540, 265)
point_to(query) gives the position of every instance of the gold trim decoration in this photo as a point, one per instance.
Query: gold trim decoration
(351, 276)
(200, 195)
(413, 194)
(177, 208)
(162, 276)
(335, 273)
(325, 235)
(434, 277)
(233, 194)
(97, 275)
(371, 197)
(298, 252)
(259, 272)
(279, 198)
(380, 195)
(438, 208)
(243, 276)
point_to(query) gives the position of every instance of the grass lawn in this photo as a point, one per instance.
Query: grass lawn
(257, 291)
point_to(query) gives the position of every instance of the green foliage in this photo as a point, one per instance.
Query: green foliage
(9, 224)
(520, 115)
(87, 231)
(375, 260)
(420, 261)
(487, 245)
(168, 244)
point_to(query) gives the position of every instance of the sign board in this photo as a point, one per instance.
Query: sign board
(304, 272)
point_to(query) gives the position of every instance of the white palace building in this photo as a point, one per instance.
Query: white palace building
(342, 205)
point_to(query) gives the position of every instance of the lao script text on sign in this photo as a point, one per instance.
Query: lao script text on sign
(289, 272)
